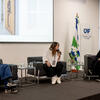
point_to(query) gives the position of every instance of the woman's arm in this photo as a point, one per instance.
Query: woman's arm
(59, 55)
(46, 57)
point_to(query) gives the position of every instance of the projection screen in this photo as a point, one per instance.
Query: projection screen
(26, 20)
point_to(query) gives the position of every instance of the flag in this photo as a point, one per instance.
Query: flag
(74, 42)
(75, 53)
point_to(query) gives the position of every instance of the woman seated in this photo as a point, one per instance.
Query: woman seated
(52, 66)
(6, 77)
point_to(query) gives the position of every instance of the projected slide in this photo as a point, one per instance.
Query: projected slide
(26, 20)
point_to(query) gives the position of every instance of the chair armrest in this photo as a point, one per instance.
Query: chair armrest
(14, 70)
(1, 61)
(39, 67)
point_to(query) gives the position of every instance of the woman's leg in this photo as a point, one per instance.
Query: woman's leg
(50, 71)
(59, 68)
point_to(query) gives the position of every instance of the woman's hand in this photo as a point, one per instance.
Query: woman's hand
(99, 59)
(48, 63)
(59, 55)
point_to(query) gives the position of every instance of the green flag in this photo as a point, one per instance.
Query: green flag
(74, 42)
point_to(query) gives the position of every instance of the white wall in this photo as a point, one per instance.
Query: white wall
(64, 15)
(65, 12)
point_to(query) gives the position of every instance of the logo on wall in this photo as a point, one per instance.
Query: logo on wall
(86, 32)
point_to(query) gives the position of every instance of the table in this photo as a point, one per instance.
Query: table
(25, 68)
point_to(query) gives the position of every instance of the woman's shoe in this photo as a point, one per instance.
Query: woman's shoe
(14, 91)
(59, 80)
(54, 79)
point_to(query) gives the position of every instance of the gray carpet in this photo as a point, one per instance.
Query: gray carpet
(92, 97)
(68, 90)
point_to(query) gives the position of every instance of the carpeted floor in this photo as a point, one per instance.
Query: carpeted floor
(68, 90)
(93, 97)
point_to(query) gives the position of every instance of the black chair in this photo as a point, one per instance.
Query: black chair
(39, 72)
(88, 68)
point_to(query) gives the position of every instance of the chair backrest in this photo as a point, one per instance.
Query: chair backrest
(34, 59)
(38, 63)
(88, 61)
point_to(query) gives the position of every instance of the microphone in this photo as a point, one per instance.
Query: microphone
(58, 51)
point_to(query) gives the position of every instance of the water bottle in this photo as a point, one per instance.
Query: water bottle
(31, 64)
